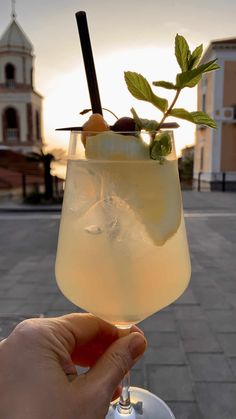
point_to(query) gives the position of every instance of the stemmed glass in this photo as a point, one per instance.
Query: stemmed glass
(122, 248)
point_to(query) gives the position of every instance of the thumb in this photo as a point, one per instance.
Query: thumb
(119, 358)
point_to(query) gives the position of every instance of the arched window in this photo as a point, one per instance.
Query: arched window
(10, 75)
(37, 124)
(11, 124)
(32, 77)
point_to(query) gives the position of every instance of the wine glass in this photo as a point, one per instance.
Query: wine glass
(122, 248)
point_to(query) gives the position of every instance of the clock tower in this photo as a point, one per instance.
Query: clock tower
(20, 104)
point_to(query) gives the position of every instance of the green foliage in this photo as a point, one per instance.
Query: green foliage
(182, 52)
(203, 119)
(165, 85)
(191, 78)
(200, 118)
(141, 123)
(195, 57)
(141, 89)
(161, 146)
(190, 75)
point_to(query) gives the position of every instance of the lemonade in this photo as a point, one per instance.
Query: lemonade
(122, 250)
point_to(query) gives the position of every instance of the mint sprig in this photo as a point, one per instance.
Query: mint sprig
(141, 89)
(142, 123)
(197, 117)
(161, 146)
(190, 75)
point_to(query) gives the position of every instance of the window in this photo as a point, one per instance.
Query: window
(204, 81)
(32, 77)
(234, 111)
(201, 158)
(204, 102)
(37, 124)
(11, 118)
(11, 124)
(10, 75)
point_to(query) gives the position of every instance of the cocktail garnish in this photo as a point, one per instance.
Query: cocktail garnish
(191, 74)
(161, 146)
(95, 123)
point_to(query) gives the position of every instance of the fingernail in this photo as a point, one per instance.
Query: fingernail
(137, 345)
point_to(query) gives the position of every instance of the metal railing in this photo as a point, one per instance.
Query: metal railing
(218, 181)
(12, 134)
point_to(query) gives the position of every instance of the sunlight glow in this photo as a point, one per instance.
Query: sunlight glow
(68, 95)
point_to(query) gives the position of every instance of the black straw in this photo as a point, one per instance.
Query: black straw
(88, 62)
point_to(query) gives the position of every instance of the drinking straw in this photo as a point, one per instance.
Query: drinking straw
(88, 62)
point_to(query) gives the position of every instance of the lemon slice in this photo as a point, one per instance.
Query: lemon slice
(149, 188)
(158, 201)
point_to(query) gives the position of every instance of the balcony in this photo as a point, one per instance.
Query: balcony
(10, 83)
(12, 134)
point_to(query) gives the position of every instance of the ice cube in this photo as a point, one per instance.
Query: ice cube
(93, 229)
(83, 187)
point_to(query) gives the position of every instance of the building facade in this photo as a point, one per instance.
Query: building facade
(215, 149)
(20, 105)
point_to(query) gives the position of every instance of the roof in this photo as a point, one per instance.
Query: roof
(227, 41)
(19, 162)
(15, 39)
(12, 179)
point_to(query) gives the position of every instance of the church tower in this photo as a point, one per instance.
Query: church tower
(20, 104)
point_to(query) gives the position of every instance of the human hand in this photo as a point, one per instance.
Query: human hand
(38, 377)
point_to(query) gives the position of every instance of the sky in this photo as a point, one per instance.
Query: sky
(133, 35)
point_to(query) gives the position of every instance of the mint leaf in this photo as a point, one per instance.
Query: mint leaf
(182, 113)
(147, 124)
(201, 118)
(141, 89)
(191, 77)
(182, 52)
(161, 146)
(195, 57)
(164, 84)
(194, 81)
(136, 118)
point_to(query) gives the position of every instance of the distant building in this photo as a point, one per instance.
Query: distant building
(188, 152)
(20, 104)
(185, 166)
(215, 150)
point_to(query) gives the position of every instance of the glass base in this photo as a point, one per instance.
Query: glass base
(145, 405)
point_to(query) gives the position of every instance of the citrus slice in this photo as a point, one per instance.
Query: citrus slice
(158, 201)
(150, 188)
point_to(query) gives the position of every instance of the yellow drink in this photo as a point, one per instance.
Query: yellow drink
(122, 249)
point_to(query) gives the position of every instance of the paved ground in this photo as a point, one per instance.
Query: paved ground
(191, 359)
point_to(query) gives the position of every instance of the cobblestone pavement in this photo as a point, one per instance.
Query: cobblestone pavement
(191, 358)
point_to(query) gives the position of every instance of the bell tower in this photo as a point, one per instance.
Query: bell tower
(20, 104)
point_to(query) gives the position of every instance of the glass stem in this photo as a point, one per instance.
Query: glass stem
(124, 405)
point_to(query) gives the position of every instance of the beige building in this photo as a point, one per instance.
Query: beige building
(215, 150)
(20, 104)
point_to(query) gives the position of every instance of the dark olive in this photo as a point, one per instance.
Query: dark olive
(124, 124)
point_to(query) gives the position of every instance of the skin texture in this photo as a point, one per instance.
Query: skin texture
(38, 377)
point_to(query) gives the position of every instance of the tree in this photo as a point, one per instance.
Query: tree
(45, 159)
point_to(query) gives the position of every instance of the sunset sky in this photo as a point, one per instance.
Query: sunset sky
(131, 35)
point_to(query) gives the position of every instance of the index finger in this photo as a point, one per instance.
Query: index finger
(80, 329)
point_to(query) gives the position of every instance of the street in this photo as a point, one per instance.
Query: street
(191, 358)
